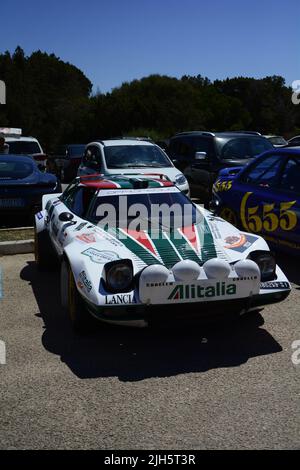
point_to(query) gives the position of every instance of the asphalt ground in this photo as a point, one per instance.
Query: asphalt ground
(230, 385)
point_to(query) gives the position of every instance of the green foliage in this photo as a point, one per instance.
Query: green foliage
(52, 100)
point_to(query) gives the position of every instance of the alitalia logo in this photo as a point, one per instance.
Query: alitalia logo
(199, 292)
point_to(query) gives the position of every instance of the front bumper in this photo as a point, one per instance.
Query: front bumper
(138, 314)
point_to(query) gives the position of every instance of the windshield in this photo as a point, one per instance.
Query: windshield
(14, 170)
(23, 147)
(135, 156)
(168, 209)
(277, 140)
(240, 148)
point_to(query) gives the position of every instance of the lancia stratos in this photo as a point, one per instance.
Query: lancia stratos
(135, 250)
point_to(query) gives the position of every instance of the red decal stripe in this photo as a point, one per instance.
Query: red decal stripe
(143, 238)
(191, 236)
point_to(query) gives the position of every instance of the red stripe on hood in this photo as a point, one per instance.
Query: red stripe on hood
(143, 238)
(191, 236)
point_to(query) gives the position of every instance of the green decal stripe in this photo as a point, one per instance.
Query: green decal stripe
(165, 250)
(208, 249)
(134, 246)
(184, 248)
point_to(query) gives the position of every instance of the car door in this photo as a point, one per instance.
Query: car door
(201, 170)
(288, 232)
(75, 201)
(56, 208)
(257, 196)
(180, 152)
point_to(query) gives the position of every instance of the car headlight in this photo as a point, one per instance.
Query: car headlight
(180, 179)
(119, 276)
(266, 263)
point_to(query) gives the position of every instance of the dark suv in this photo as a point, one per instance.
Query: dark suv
(200, 155)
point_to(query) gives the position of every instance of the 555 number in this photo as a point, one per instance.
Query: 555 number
(269, 221)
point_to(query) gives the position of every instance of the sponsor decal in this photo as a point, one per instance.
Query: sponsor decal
(87, 238)
(56, 203)
(80, 226)
(222, 186)
(239, 243)
(193, 291)
(119, 299)
(215, 230)
(39, 215)
(275, 285)
(48, 206)
(83, 282)
(100, 256)
(266, 218)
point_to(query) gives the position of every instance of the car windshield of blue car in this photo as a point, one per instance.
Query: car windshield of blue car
(21, 147)
(169, 210)
(241, 148)
(135, 156)
(14, 170)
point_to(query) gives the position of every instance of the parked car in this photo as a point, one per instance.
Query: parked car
(138, 271)
(129, 156)
(277, 140)
(22, 186)
(65, 162)
(21, 145)
(201, 155)
(263, 197)
(294, 141)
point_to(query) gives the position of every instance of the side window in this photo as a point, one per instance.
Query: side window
(290, 180)
(202, 144)
(79, 200)
(69, 195)
(235, 148)
(265, 172)
(184, 147)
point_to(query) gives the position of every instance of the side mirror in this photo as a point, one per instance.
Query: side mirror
(200, 156)
(65, 217)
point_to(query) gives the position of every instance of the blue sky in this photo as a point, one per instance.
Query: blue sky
(113, 41)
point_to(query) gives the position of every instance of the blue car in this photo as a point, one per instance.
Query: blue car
(263, 197)
(22, 186)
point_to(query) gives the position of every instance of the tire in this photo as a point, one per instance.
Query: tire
(230, 216)
(78, 316)
(45, 256)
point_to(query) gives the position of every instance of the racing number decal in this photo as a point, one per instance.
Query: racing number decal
(269, 221)
(222, 186)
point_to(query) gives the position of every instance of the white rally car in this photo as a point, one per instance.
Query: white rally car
(135, 250)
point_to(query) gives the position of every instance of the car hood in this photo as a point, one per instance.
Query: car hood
(211, 237)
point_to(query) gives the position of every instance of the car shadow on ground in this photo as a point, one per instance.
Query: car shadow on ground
(136, 354)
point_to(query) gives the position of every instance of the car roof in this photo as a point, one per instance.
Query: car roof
(295, 152)
(133, 181)
(19, 158)
(114, 142)
(20, 138)
(218, 134)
